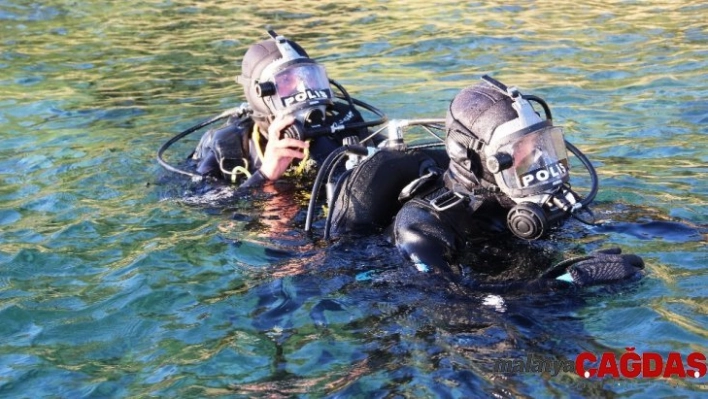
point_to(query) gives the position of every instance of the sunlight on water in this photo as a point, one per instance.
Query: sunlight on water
(117, 281)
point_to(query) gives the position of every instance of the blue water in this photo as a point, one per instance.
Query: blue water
(118, 279)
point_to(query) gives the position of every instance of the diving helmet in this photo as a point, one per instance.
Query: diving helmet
(279, 78)
(495, 138)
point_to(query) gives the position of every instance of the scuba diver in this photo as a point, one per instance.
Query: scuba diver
(292, 114)
(504, 169)
(508, 172)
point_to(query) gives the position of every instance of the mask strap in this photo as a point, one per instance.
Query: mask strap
(473, 143)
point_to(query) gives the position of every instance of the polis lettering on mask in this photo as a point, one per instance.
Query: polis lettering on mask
(542, 174)
(647, 365)
(306, 96)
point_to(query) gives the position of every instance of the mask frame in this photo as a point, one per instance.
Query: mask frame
(307, 104)
(522, 168)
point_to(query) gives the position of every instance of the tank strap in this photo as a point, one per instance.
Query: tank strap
(472, 143)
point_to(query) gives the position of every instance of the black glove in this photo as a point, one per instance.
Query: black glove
(600, 267)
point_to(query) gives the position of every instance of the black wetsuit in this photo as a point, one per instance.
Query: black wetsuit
(233, 145)
(394, 189)
(433, 238)
(440, 241)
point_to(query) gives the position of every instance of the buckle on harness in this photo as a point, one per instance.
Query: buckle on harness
(446, 200)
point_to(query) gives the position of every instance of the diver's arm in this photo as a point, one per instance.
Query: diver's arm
(598, 268)
(257, 179)
(428, 242)
(535, 286)
(278, 154)
(423, 238)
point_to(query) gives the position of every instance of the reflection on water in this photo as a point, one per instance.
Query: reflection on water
(118, 280)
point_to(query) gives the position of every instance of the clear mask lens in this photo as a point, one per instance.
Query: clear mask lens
(300, 84)
(540, 161)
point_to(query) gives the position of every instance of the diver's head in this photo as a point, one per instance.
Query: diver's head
(495, 138)
(278, 77)
(472, 116)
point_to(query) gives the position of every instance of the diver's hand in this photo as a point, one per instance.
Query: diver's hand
(279, 152)
(601, 267)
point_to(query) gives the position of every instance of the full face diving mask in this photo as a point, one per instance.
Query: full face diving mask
(529, 161)
(298, 86)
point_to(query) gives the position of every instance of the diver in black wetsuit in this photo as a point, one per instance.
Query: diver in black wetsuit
(508, 172)
(292, 114)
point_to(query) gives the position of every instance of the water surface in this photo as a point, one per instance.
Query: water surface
(115, 283)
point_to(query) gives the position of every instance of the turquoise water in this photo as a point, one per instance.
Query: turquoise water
(116, 282)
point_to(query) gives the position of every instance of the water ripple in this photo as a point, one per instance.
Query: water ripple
(117, 281)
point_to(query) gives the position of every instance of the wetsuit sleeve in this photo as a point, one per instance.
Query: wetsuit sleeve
(431, 241)
(424, 238)
(257, 179)
(601, 267)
